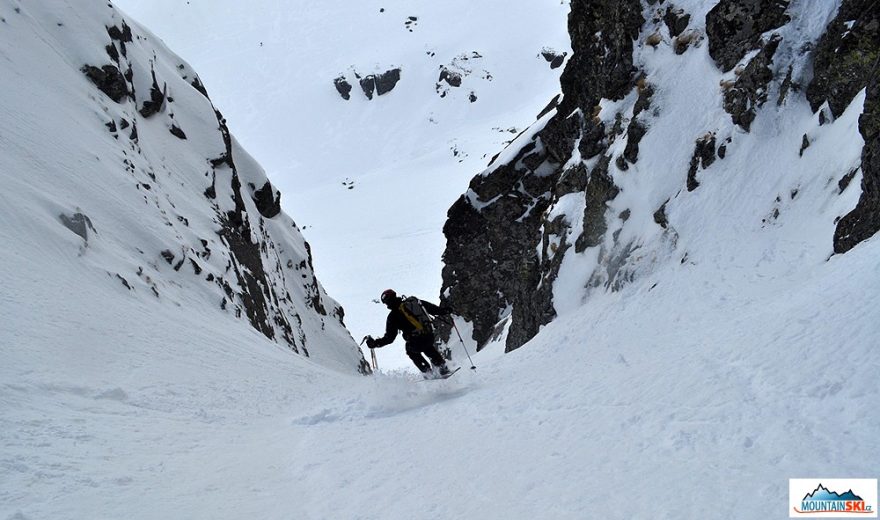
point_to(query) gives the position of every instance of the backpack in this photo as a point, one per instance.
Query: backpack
(412, 310)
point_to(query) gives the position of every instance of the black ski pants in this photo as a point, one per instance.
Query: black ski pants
(418, 345)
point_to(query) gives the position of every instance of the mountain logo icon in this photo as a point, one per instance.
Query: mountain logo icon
(823, 493)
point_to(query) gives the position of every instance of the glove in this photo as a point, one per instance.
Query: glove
(371, 342)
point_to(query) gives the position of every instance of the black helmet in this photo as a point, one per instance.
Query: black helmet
(388, 296)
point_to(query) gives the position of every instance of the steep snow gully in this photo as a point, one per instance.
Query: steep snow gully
(370, 180)
(703, 346)
(730, 386)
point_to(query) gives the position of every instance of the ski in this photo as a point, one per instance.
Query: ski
(447, 376)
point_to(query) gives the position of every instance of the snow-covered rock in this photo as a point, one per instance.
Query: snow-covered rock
(846, 62)
(125, 194)
(681, 126)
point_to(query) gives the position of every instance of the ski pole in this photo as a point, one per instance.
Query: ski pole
(473, 367)
(372, 354)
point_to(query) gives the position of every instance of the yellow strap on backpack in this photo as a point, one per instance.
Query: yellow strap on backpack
(410, 318)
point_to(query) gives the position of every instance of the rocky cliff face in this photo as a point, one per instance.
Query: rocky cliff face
(498, 263)
(847, 60)
(654, 98)
(161, 195)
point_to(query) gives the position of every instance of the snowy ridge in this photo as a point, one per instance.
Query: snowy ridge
(126, 196)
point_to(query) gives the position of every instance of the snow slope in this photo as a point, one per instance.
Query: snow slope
(116, 210)
(271, 67)
(693, 400)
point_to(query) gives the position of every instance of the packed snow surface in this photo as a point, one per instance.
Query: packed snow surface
(712, 386)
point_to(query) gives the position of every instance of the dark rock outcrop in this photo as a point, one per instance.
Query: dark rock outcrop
(676, 20)
(805, 143)
(682, 42)
(500, 254)
(660, 216)
(603, 56)
(268, 200)
(844, 181)
(368, 85)
(197, 84)
(121, 34)
(734, 27)
(386, 81)
(177, 132)
(112, 52)
(246, 261)
(343, 87)
(157, 98)
(704, 156)
(600, 190)
(109, 80)
(507, 236)
(553, 57)
(749, 91)
(847, 60)
(379, 83)
(552, 105)
(451, 77)
(637, 128)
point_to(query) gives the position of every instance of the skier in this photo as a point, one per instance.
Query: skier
(410, 316)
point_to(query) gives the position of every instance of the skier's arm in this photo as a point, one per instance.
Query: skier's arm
(435, 310)
(390, 334)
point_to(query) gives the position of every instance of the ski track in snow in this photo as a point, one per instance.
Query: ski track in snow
(726, 390)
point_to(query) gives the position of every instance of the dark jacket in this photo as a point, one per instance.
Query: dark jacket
(396, 321)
